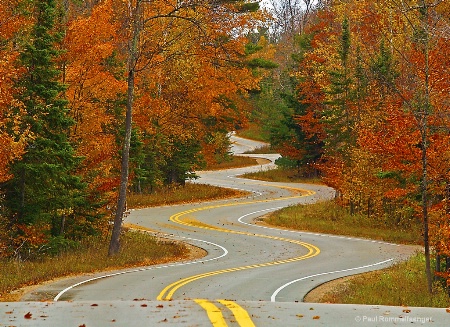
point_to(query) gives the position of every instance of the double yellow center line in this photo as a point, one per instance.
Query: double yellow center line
(214, 313)
(216, 317)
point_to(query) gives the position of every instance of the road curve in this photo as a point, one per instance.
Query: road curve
(250, 273)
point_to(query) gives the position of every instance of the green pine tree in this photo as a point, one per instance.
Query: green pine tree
(44, 189)
(383, 69)
(338, 118)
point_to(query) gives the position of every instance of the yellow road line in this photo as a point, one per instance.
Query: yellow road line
(239, 313)
(172, 288)
(214, 313)
(216, 317)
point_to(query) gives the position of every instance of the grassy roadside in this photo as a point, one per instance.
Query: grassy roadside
(253, 132)
(327, 217)
(181, 194)
(282, 176)
(235, 162)
(401, 284)
(138, 249)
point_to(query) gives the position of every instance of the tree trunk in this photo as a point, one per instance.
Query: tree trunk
(447, 269)
(423, 126)
(425, 217)
(63, 225)
(437, 267)
(114, 245)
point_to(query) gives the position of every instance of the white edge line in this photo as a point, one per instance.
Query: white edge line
(225, 252)
(305, 232)
(273, 297)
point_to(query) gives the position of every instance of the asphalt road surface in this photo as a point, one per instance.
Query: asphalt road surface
(253, 275)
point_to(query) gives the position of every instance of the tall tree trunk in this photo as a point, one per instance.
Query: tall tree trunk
(425, 217)
(425, 162)
(447, 269)
(114, 245)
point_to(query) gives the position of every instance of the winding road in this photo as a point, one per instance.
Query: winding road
(253, 275)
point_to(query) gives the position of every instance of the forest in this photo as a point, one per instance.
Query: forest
(103, 97)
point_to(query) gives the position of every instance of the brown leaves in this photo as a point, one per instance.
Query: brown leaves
(28, 315)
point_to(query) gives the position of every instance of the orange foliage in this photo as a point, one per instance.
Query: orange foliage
(94, 85)
(12, 141)
(191, 82)
(384, 165)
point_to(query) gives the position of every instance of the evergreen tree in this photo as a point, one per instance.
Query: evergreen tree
(182, 162)
(298, 148)
(44, 190)
(384, 70)
(338, 118)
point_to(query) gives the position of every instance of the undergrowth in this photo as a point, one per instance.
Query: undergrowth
(403, 284)
(90, 256)
(190, 192)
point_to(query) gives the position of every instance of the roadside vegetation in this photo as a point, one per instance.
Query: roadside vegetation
(233, 162)
(87, 256)
(283, 175)
(190, 192)
(254, 132)
(401, 284)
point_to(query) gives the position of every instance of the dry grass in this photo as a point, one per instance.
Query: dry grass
(403, 284)
(263, 149)
(235, 162)
(281, 175)
(91, 256)
(253, 132)
(181, 194)
(328, 217)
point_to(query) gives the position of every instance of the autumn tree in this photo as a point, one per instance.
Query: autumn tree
(93, 70)
(422, 103)
(44, 190)
(149, 32)
(299, 146)
(290, 17)
(390, 90)
(12, 139)
(372, 82)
